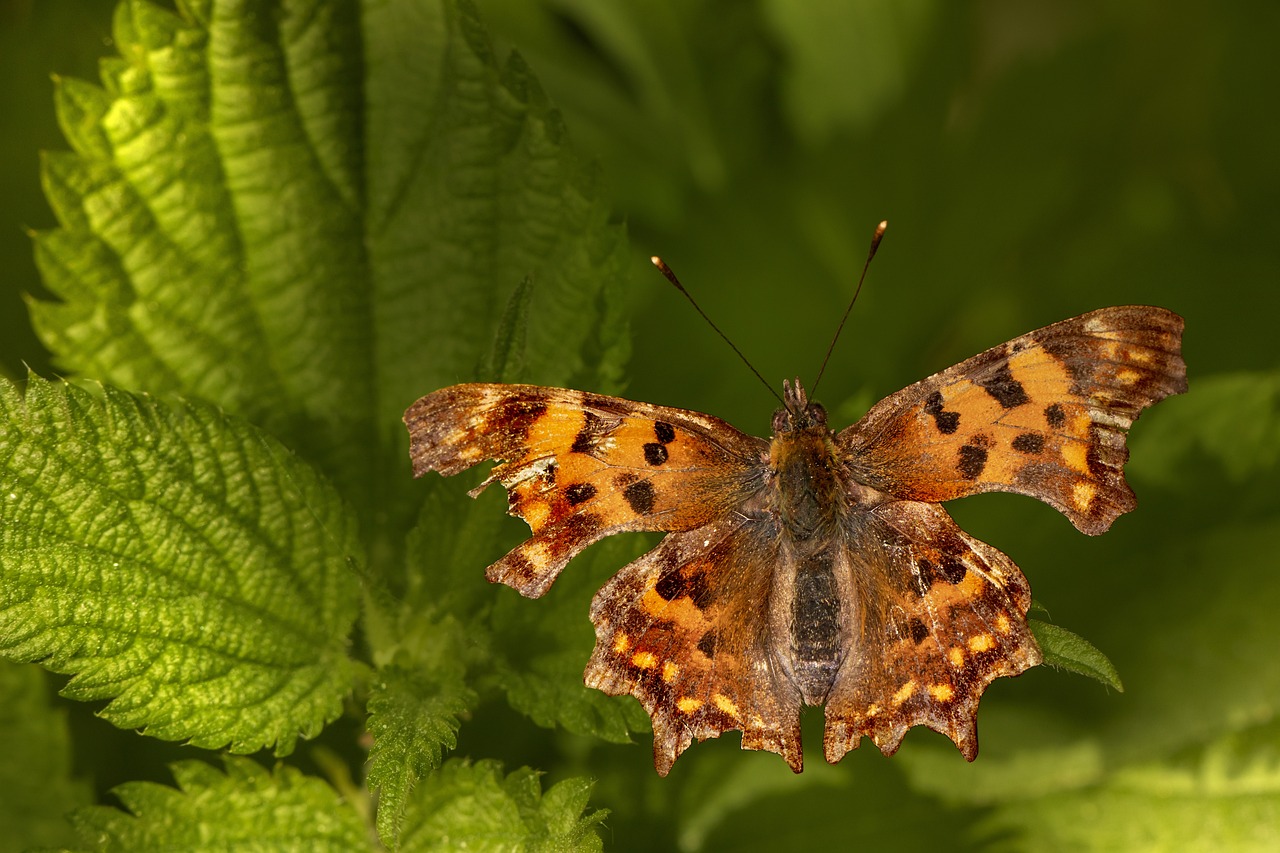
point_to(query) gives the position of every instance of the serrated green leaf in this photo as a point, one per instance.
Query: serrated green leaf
(472, 806)
(311, 213)
(244, 808)
(509, 200)
(1205, 660)
(36, 778)
(1027, 752)
(414, 711)
(176, 561)
(1065, 650)
(506, 359)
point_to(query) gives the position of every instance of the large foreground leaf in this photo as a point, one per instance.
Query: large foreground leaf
(176, 561)
(311, 213)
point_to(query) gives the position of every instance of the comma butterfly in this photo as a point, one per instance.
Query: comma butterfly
(816, 567)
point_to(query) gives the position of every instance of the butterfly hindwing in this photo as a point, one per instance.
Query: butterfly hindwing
(685, 629)
(1043, 415)
(578, 467)
(936, 616)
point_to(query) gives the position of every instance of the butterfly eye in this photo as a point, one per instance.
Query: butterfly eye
(782, 421)
(816, 414)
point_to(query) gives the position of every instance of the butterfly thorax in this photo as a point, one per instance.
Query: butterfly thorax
(809, 484)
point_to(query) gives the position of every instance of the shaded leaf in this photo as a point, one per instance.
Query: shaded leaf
(1065, 650)
(543, 647)
(36, 773)
(414, 711)
(1232, 418)
(1225, 796)
(473, 806)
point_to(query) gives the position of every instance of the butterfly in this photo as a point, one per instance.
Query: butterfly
(816, 567)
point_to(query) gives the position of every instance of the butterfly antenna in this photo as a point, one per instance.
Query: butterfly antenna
(671, 277)
(875, 244)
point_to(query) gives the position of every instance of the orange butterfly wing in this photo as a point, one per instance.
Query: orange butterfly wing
(937, 616)
(1043, 415)
(578, 467)
(686, 629)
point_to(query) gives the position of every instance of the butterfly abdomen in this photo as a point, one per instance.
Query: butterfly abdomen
(808, 497)
(815, 627)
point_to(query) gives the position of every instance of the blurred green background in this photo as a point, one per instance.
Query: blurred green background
(1035, 160)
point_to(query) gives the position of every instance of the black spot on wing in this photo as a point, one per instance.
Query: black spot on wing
(947, 422)
(1006, 390)
(664, 432)
(948, 570)
(579, 493)
(593, 426)
(925, 574)
(677, 584)
(1029, 442)
(1055, 416)
(654, 453)
(707, 644)
(973, 459)
(639, 495)
(951, 570)
(917, 630)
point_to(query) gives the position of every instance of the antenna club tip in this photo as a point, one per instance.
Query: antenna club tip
(875, 238)
(657, 261)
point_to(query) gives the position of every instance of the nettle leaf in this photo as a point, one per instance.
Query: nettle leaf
(474, 807)
(244, 808)
(177, 562)
(1065, 650)
(414, 711)
(36, 774)
(312, 213)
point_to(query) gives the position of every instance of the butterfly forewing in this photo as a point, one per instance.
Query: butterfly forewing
(578, 467)
(1043, 415)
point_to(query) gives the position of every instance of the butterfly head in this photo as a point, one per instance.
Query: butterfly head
(797, 413)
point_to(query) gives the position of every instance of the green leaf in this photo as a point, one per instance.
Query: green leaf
(506, 359)
(245, 808)
(36, 773)
(414, 711)
(1028, 751)
(473, 807)
(176, 561)
(312, 214)
(1223, 796)
(1065, 650)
